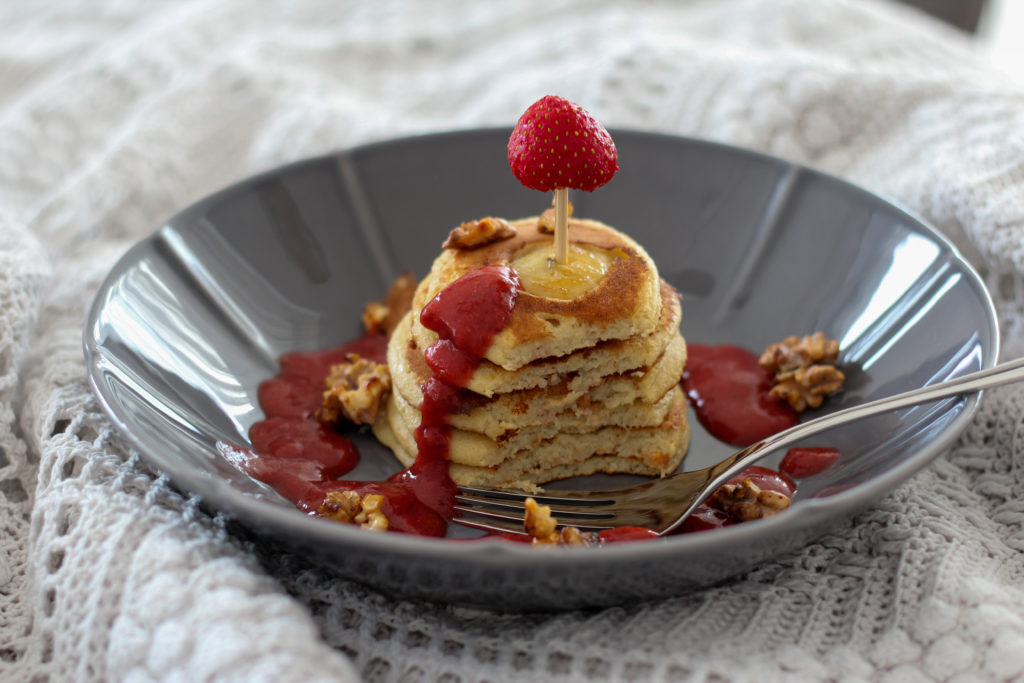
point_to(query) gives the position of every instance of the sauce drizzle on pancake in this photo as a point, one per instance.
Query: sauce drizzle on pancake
(466, 315)
(300, 458)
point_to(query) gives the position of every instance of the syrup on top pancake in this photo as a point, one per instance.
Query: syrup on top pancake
(584, 368)
(624, 301)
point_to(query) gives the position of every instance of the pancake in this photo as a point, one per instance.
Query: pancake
(584, 369)
(626, 302)
(526, 407)
(612, 450)
(474, 448)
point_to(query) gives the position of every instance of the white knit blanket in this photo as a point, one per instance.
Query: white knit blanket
(114, 115)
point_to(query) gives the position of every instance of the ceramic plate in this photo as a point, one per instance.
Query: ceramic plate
(194, 317)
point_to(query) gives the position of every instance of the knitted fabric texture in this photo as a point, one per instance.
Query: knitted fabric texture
(115, 115)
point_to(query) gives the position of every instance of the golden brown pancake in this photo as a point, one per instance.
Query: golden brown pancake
(530, 407)
(475, 448)
(583, 369)
(626, 303)
(650, 451)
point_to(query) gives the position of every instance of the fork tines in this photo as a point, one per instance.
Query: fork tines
(503, 510)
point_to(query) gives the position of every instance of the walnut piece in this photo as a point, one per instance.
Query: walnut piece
(354, 390)
(539, 523)
(747, 501)
(546, 222)
(374, 315)
(478, 233)
(351, 508)
(381, 317)
(796, 352)
(803, 369)
(805, 388)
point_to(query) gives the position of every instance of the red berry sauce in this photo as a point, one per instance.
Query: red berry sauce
(807, 462)
(626, 533)
(298, 388)
(731, 395)
(302, 458)
(707, 516)
(730, 392)
(292, 451)
(467, 314)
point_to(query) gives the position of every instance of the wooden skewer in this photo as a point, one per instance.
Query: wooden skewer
(561, 225)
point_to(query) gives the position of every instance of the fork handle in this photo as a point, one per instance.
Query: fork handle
(718, 474)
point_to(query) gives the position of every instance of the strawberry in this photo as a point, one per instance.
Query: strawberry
(557, 143)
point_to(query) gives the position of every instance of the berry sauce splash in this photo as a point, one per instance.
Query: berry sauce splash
(302, 458)
(467, 315)
(730, 393)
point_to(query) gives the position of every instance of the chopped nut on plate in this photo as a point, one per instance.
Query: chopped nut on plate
(803, 369)
(351, 508)
(374, 315)
(355, 390)
(746, 501)
(372, 515)
(539, 523)
(381, 317)
(795, 352)
(478, 233)
(807, 387)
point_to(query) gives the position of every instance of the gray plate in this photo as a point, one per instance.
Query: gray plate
(193, 318)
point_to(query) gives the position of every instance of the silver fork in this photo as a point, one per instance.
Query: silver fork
(663, 504)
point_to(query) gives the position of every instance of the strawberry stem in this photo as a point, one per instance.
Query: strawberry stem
(561, 225)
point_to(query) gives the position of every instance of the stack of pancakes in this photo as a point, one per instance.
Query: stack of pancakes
(570, 386)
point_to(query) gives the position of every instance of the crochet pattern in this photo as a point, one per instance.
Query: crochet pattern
(114, 116)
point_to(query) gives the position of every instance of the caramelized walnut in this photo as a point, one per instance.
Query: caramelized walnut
(546, 222)
(374, 315)
(372, 515)
(381, 317)
(478, 233)
(803, 370)
(747, 501)
(796, 352)
(539, 523)
(354, 390)
(807, 387)
(351, 508)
